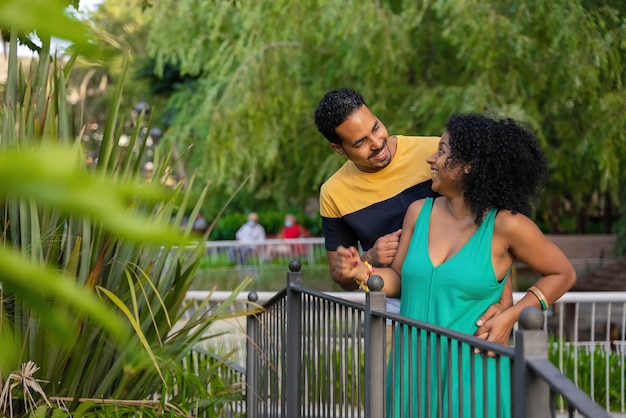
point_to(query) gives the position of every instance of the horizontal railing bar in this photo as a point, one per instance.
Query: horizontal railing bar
(336, 297)
(545, 370)
(236, 367)
(268, 241)
(459, 336)
(356, 296)
(573, 297)
(566, 388)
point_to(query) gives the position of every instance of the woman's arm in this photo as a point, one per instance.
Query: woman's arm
(528, 244)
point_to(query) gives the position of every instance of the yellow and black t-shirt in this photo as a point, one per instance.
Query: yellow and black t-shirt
(361, 207)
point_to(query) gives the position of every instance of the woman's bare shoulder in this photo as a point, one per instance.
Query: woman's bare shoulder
(415, 207)
(412, 213)
(515, 225)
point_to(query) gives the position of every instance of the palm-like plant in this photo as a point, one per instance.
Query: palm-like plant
(77, 233)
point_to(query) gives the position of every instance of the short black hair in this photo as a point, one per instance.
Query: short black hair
(335, 107)
(506, 165)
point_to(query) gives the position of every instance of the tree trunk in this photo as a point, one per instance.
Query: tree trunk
(581, 220)
(608, 213)
(554, 216)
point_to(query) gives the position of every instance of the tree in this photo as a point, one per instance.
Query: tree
(259, 69)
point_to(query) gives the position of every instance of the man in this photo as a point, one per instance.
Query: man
(251, 234)
(364, 202)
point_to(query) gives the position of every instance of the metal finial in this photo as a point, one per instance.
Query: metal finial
(375, 283)
(531, 318)
(294, 265)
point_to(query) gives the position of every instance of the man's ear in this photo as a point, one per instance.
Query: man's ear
(338, 149)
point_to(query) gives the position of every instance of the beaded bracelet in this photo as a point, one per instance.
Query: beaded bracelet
(539, 294)
(370, 271)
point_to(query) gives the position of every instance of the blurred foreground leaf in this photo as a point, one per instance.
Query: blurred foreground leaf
(48, 17)
(38, 284)
(52, 175)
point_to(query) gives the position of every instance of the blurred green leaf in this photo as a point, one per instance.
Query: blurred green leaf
(46, 17)
(53, 175)
(16, 271)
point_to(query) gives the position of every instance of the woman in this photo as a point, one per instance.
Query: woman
(457, 251)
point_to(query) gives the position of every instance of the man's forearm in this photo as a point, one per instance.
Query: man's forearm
(346, 283)
(366, 256)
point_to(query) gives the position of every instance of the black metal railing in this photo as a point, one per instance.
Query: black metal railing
(227, 381)
(310, 354)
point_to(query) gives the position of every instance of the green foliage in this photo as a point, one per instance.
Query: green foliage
(94, 270)
(313, 224)
(558, 66)
(227, 225)
(339, 376)
(35, 177)
(591, 370)
(46, 17)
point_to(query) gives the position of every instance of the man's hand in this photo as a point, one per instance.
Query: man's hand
(384, 249)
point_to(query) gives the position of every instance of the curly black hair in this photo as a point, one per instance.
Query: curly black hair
(506, 165)
(335, 107)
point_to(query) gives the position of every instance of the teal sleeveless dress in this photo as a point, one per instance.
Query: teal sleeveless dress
(452, 295)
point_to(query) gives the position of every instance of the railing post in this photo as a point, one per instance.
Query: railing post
(531, 395)
(253, 360)
(374, 355)
(293, 340)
